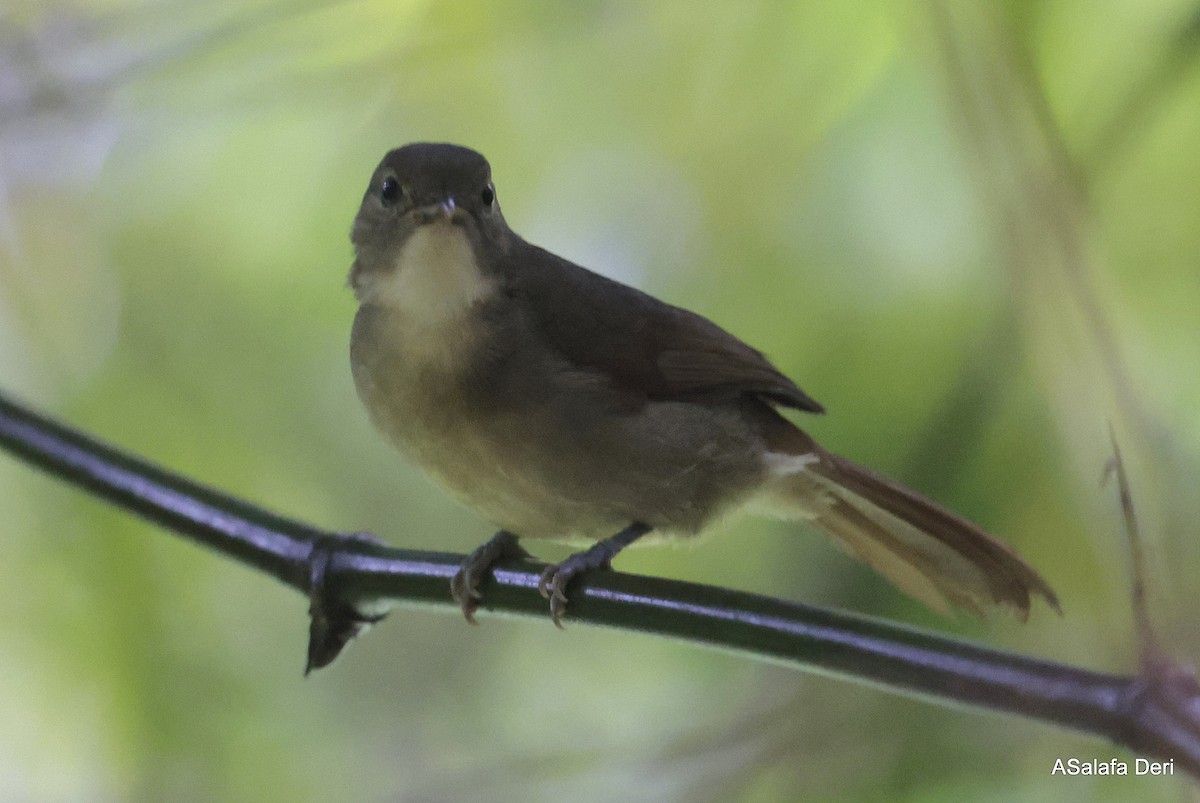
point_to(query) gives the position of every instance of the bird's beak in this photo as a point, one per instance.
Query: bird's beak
(442, 210)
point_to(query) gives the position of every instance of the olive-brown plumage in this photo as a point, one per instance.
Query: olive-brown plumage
(561, 404)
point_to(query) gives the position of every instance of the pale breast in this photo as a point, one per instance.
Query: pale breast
(413, 347)
(487, 459)
(414, 337)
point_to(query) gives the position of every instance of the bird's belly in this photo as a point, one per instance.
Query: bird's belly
(519, 495)
(492, 465)
(541, 474)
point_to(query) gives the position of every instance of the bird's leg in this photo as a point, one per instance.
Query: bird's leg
(556, 578)
(464, 587)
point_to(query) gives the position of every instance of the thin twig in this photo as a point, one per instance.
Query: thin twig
(1148, 647)
(359, 579)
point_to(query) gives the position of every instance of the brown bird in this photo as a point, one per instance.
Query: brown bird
(561, 404)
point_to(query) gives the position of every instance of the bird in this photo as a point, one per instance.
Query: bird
(561, 404)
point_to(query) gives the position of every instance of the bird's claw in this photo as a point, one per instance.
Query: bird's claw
(464, 589)
(464, 586)
(554, 581)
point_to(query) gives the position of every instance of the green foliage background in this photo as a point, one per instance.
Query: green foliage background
(970, 229)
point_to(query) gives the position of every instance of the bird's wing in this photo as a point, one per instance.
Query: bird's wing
(641, 344)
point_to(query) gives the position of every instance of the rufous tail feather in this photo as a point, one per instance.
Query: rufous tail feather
(927, 551)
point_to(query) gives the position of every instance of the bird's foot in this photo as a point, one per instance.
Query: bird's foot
(554, 581)
(464, 587)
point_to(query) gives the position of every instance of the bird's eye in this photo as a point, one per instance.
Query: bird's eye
(390, 191)
(488, 195)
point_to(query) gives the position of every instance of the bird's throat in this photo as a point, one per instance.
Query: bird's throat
(418, 310)
(435, 278)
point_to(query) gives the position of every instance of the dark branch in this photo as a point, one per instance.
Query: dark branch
(354, 580)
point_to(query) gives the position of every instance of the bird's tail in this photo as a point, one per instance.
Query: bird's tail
(927, 551)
